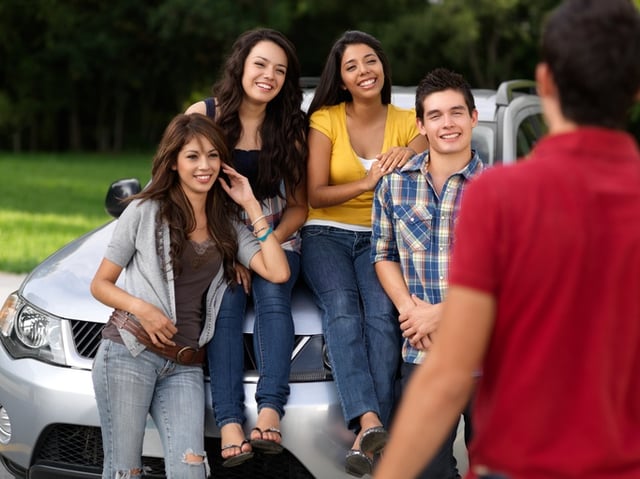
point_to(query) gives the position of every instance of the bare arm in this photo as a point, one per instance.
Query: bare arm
(392, 281)
(447, 375)
(198, 107)
(104, 289)
(321, 193)
(270, 262)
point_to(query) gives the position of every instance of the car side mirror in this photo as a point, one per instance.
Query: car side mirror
(118, 192)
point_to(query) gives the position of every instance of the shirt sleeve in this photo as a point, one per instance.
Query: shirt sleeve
(122, 246)
(383, 242)
(248, 245)
(321, 120)
(475, 255)
(404, 127)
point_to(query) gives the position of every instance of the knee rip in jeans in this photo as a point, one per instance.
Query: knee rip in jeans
(192, 459)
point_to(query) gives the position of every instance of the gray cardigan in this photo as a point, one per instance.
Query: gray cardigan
(140, 244)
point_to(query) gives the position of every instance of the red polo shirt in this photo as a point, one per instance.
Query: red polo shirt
(556, 240)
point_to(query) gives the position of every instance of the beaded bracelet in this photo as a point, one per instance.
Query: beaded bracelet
(266, 235)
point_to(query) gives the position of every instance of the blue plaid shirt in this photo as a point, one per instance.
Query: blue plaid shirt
(414, 227)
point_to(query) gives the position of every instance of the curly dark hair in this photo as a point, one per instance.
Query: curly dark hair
(175, 207)
(330, 91)
(283, 132)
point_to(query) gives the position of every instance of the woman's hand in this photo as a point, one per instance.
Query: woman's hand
(238, 187)
(243, 277)
(373, 175)
(394, 157)
(155, 323)
(159, 328)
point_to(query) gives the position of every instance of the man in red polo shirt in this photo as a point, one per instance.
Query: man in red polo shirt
(544, 292)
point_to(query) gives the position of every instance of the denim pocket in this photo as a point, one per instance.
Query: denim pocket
(311, 231)
(413, 223)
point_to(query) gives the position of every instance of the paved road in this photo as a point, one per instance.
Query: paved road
(8, 284)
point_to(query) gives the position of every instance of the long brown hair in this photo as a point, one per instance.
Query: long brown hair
(175, 208)
(283, 132)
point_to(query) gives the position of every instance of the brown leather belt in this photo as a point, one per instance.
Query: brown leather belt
(185, 355)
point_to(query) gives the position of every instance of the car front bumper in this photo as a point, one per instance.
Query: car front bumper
(54, 426)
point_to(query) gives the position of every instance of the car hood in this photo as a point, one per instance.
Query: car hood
(60, 286)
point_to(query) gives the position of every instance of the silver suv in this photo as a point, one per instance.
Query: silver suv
(50, 330)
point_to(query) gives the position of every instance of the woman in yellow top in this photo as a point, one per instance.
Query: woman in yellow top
(355, 137)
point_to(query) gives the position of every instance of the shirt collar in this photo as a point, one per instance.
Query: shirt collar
(420, 162)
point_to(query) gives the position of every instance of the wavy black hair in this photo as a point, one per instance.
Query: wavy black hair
(283, 132)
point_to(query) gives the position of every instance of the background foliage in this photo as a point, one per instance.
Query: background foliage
(93, 75)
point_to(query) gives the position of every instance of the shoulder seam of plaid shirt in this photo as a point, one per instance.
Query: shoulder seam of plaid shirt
(408, 213)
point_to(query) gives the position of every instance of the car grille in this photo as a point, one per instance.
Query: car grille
(86, 337)
(80, 448)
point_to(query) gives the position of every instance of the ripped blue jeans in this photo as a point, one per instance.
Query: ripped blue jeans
(127, 390)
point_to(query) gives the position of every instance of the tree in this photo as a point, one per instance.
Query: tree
(486, 40)
(95, 75)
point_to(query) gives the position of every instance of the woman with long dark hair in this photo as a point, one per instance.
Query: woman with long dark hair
(257, 104)
(356, 135)
(177, 242)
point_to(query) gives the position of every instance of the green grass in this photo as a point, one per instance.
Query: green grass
(47, 200)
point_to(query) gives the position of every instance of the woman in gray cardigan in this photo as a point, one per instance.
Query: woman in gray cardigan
(177, 242)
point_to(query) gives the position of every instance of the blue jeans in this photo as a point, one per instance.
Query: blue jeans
(444, 464)
(273, 339)
(127, 389)
(225, 355)
(359, 321)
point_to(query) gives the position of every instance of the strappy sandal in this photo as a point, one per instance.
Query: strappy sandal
(265, 445)
(236, 459)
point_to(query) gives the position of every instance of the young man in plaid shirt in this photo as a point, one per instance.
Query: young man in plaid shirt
(415, 208)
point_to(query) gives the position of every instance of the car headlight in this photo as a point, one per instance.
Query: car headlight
(28, 332)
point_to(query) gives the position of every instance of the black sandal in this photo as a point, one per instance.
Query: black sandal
(264, 445)
(236, 459)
